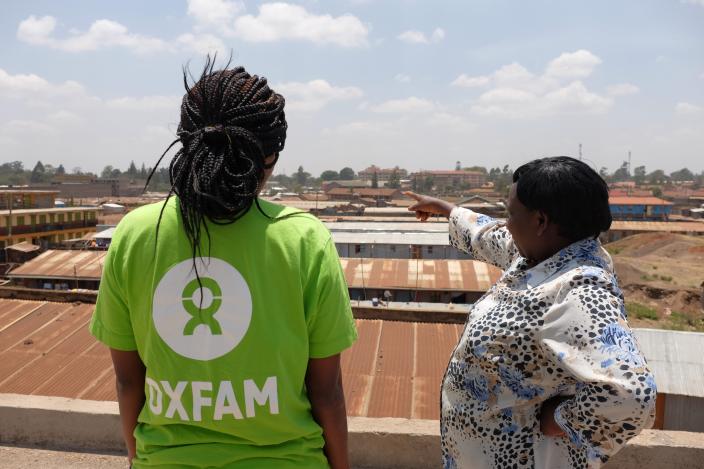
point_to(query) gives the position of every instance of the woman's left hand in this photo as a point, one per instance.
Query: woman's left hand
(548, 426)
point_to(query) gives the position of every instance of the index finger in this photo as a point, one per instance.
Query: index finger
(412, 195)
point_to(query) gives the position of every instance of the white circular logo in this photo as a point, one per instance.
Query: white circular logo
(207, 320)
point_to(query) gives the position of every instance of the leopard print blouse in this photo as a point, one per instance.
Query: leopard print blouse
(558, 328)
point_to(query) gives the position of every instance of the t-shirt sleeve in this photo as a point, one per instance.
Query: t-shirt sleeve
(111, 322)
(331, 327)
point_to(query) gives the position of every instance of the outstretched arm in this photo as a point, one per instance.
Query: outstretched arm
(482, 237)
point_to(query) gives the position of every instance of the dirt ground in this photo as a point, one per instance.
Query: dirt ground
(662, 272)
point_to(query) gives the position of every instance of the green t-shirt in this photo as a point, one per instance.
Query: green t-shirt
(225, 372)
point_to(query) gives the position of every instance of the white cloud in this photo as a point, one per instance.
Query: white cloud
(280, 21)
(419, 37)
(572, 65)
(64, 117)
(694, 2)
(622, 89)
(452, 122)
(33, 86)
(702, 76)
(402, 78)
(27, 128)
(683, 108)
(465, 81)
(515, 92)
(315, 95)
(146, 103)
(201, 43)
(218, 13)
(411, 104)
(101, 34)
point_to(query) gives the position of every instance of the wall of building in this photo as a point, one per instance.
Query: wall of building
(684, 413)
(399, 251)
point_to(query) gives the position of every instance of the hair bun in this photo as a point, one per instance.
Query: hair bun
(214, 134)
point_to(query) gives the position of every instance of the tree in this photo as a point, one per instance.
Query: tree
(107, 172)
(347, 174)
(657, 177)
(38, 173)
(375, 180)
(428, 184)
(329, 175)
(132, 170)
(458, 165)
(394, 181)
(639, 175)
(479, 169)
(61, 169)
(622, 173)
(301, 176)
(683, 174)
(143, 172)
(604, 172)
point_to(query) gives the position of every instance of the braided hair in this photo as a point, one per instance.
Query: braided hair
(231, 122)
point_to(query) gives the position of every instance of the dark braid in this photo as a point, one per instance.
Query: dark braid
(230, 122)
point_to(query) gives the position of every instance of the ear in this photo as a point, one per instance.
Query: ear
(542, 222)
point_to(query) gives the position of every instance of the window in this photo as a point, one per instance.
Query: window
(68, 217)
(61, 217)
(33, 219)
(42, 219)
(357, 248)
(51, 218)
(20, 220)
(430, 249)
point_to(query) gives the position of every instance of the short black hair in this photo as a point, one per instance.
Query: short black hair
(569, 192)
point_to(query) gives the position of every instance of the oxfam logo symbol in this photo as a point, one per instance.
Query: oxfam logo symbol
(202, 315)
(202, 320)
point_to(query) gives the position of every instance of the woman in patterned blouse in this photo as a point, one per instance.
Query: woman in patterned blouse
(547, 373)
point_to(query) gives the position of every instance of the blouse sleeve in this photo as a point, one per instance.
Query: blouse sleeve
(482, 237)
(586, 335)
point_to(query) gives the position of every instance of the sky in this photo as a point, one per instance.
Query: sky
(415, 83)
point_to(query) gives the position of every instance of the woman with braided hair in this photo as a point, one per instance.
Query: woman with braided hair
(225, 323)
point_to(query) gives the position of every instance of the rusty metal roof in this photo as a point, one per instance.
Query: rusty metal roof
(397, 274)
(420, 274)
(24, 246)
(65, 265)
(394, 369)
(665, 226)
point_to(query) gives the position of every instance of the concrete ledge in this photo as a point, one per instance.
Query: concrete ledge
(94, 426)
(60, 423)
(35, 294)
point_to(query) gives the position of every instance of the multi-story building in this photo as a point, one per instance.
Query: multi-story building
(45, 226)
(382, 174)
(455, 178)
(20, 198)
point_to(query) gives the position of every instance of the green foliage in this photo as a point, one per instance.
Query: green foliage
(347, 174)
(394, 181)
(641, 311)
(375, 180)
(329, 175)
(679, 321)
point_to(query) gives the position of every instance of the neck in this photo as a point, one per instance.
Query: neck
(552, 247)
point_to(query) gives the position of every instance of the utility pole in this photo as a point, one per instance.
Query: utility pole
(629, 161)
(580, 152)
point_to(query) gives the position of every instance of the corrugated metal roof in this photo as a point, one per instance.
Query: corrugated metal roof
(411, 274)
(393, 370)
(637, 201)
(370, 226)
(24, 246)
(666, 226)
(69, 264)
(30, 211)
(398, 238)
(676, 359)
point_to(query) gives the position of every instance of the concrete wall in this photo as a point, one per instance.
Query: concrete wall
(69, 424)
